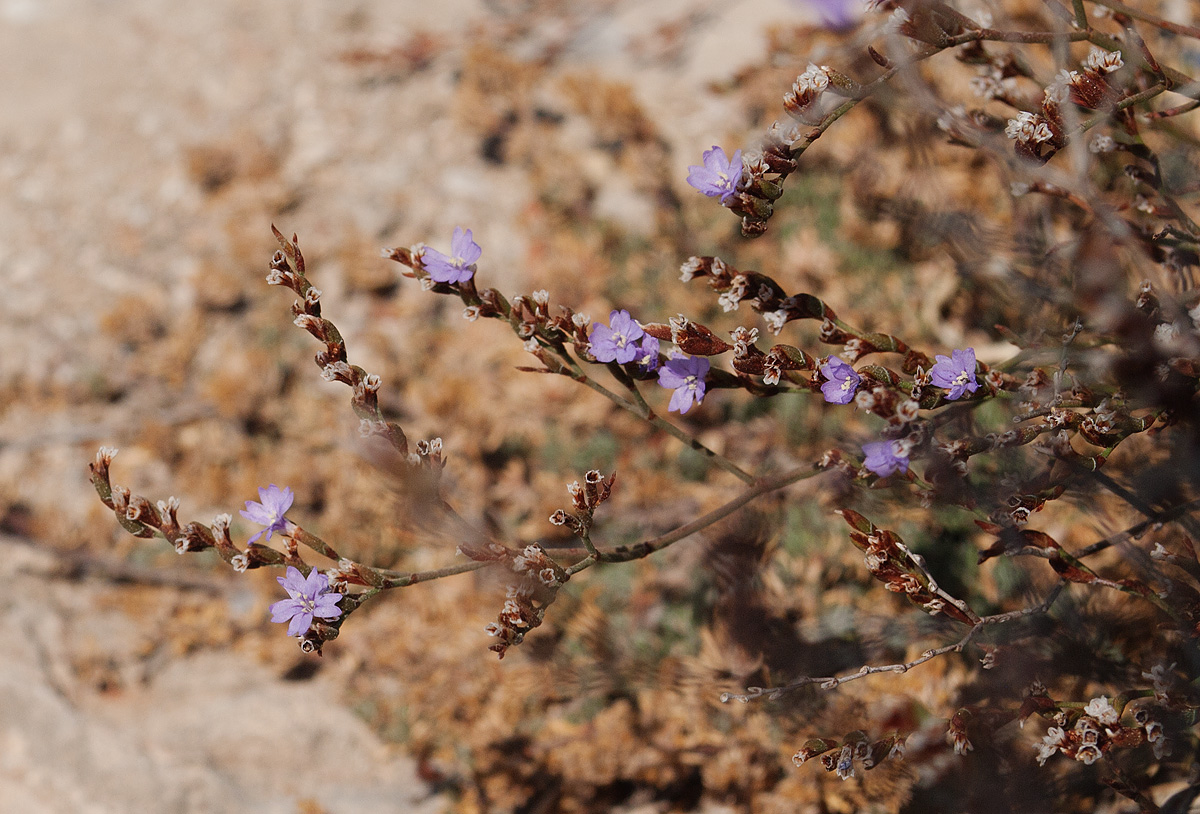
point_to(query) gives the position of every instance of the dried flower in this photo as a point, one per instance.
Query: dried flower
(616, 342)
(460, 266)
(309, 597)
(814, 78)
(843, 381)
(1103, 61)
(720, 174)
(1028, 127)
(885, 457)
(270, 512)
(956, 373)
(1054, 739)
(685, 375)
(1102, 710)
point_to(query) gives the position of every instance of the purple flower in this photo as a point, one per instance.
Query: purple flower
(269, 513)
(460, 266)
(956, 374)
(835, 14)
(647, 355)
(843, 381)
(616, 343)
(309, 597)
(685, 375)
(720, 174)
(885, 457)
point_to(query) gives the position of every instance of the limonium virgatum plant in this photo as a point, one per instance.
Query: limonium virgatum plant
(1075, 111)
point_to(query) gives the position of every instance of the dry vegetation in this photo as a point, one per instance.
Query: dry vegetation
(614, 702)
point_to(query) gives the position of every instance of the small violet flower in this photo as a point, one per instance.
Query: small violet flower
(615, 342)
(837, 15)
(957, 374)
(843, 381)
(685, 375)
(720, 174)
(309, 597)
(885, 457)
(270, 512)
(647, 355)
(460, 266)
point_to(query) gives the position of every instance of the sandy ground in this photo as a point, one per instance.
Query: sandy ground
(145, 146)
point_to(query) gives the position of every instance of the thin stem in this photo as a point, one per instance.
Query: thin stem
(1080, 14)
(1134, 531)
(405, 580)
(830, 682)
(760, 487)
(644, 412)
(1146, 17)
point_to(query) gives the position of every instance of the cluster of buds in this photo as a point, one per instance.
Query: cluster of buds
(287, 269)
(1088, 734)
(735, 287)
(428, 454)
(535, 587)
(840, 755)
(520, 614)
(141, 518)
(690, 337)
(801, 102)
(528, 315)
(1089, 87)
(1039, 135)
(778, 362)
(956, 732)
(891, 562)
(808, 104)
(595, 490)
(769, 298)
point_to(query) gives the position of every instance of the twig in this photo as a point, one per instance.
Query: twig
(831, 682)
